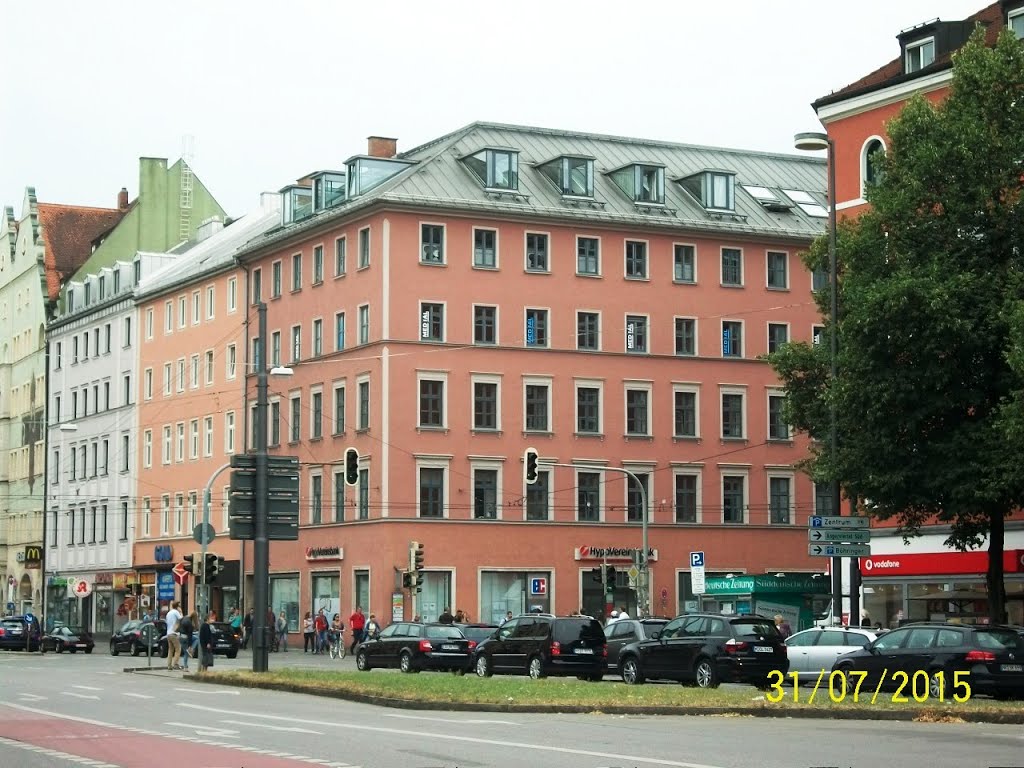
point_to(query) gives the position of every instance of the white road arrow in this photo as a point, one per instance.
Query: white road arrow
(206, 730)
(264, 726)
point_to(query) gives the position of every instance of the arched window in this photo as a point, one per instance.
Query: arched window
(871, 155)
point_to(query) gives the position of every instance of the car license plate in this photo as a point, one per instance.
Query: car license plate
(1012, 668)
(449, 647)
(584, 651)
(763, 649)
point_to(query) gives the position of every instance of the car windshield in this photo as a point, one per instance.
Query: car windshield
(998, 639)
(755, 628)
(584, 630)
(223, 626)
(478, 633)
(131, 625)
(439, 632)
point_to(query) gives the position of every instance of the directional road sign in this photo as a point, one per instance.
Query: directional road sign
(697, 573)
(820, 521)
(833, 534)
(204, 534)
(839, 550)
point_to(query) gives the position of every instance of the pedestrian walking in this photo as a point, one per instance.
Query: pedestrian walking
(307, 633)
(186, 633)
(320, 628)
(282, 632)
(173, 641)
(206, 643)
(357, 621)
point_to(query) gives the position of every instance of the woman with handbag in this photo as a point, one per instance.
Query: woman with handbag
(206, 643)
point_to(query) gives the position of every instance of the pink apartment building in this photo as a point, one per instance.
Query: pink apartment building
(606, 301)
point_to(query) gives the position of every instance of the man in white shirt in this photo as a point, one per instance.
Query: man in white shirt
(622, 613)
(173, 639)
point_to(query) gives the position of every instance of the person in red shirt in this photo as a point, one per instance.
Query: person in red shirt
(320, 625)
(357, 621)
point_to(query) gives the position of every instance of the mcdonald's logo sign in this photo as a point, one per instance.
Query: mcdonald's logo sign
(33, 556)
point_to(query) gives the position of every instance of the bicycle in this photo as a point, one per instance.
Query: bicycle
(336, 645)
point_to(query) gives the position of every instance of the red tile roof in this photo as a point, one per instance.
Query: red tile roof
(68, 232)
(991, 18)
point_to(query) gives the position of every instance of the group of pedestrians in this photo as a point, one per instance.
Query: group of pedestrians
(187, 638)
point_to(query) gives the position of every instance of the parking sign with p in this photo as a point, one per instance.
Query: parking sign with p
(696, 559)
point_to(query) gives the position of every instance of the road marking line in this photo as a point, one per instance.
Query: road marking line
(81, 695)
(137, 695)
(207, 730)
(31, 697)
(56, 753)
(87, 687)
(209, 693)
(467, 739)
(293, 729)
(451, 721)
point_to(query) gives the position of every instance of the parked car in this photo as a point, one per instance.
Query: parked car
(225, 641)
(478, 632)
(625, 631)
(131, 638)
(818, 648)
(992, 655)
(19, 633)
(541, 644)
(67, 639)
(708, 649)
(413, 647)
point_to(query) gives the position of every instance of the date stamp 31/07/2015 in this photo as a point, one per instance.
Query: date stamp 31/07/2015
(850, 685)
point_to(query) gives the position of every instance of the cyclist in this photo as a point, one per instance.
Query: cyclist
(337, 642)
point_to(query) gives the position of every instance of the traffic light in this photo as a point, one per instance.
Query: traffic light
(609, 574)
(415, 556)
(530, 465)
(212, 568)
(190, 563)
(351, 466)
(595, 574)
(408, 579)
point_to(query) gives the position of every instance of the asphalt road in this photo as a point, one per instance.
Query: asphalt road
(72, 710)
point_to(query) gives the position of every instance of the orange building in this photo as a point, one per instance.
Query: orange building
(606, 301)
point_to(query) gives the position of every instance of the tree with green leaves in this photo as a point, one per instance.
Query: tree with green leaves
(929, 398)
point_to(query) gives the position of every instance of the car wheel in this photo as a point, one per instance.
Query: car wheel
(705, 674)
(405, 662)
(113, 648)
(88, 650)
(59, 647)
(935, 685)
(232, 654)
(42, 648)
(134, 650)
(631, 674)
(362, 662)
(483, 667)
(537, 668)
(73, 649)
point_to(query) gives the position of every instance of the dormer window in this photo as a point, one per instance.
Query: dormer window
(88, 292)
(716, 190)
(103, 287)
(496, 168)
(117, 279)
(1015, 21)
(136, 271)
(642, 183)
(572, 176)
(365, 173)
(328, 190)
(71, 299)
(919, 55)
(298, 203)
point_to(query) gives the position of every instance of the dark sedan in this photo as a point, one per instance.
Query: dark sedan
(477, 632)
(415, 647)
(19, 633)
(225, 641)
(625, 631)
(67, 639)
(131, 638)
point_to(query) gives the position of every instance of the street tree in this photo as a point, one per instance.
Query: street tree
(929, 398)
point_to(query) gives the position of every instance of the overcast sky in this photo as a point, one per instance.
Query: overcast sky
(272, 90)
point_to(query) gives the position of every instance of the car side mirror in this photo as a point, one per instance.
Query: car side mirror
(868, 647)
(656, 634)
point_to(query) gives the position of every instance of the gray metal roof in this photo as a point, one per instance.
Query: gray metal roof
(439, 179)
(216, 252)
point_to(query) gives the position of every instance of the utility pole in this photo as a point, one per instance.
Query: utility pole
(261, 545)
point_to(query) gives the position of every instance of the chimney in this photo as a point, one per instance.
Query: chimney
(380, 146)
(210, 227)
(122, 199)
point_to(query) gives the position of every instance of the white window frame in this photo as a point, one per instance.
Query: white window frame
(576, 329)
(432, 375)
(576, 255)
(497, 248)
(647, 258)
(743, 267)
(768, 336)
(733, 471)
(526, 256)
(644, 385)
(147, 384)
(767, 285)
(689, 471)
(231, 361)
(490, 465)
(344, 256)
(318, 473)
(179, 445)
(743, 340)
(208, 436)
(209, 362)
(364, 378)
(1012, 16)
(647, 332)
(165, 514)
(147, 448)
(232, 297)
(276, 278)
(484, 378)
(425, 461)
(211, 297)
(229, 432)
(194, 373)
(788, 475)
(497, 325)
(168, 318)
(696, 261)
(335, 386)
(362, 311)
(694, 389)
(444, 243)
(915, 49)
(584, 383)
(444, 320)
(639, 468)
(881, 139)
(149, 325)
(602, 494)
(147, 512)
(193, 439)
(539, 381)
(197, 307)
(696, 335)
(359, 248)
(547, 327)
(733, 389)
(317, 390)
(167, 445)
(769, 394)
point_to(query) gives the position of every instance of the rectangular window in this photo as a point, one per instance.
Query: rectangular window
(232, 294)
(636, 260)
(819, 279)
(339, 331)
(733, 498)
(364, 324)
(179, 453)
(339, 409)
(588, 497)
(537, 505)
(197, 308)
(637, 422)
(168, 317)
(485, 248)
(296, 419)
(778, 274)
(257, 286)
(431, 322)
(229, 432)
(485, 405)
(636, 493)
(297, 272)
(920, 55)
(340, 248)
(275, 279)
(732, 415)
(275, 348)
(823, 499)
(193, 508)
(588, 410)
(317, 415)
(536, 327)
(817, 334)
(431, 403)
(149, 324)
(588, 331)
(339, 497)
(147, 512)
(194, 438)
(316, 499)
(485, 325)
(126, 329)
(537, 402)
(318, 337)
(364, 494)
(732, 266)
(147, 448)
(537, 252)
(779, 499)
(147, 384)
(166, 456)
(210, 306)
(92, 525)
(684, 264)
(684, 411)
(208, 436)
(296, 343)
(318, 265)
(686, 498)
(232, 361)
(194, 371)
(778, 429)
(364, 248)
(778, 334)
(74, 350)
(209, 367)
(732, 338)
(85, 346)
(636, 334)
(58, 355)
(431, 492)
(588, 258)
(168, 379)
(165, 514)
(485, 494)
(1015, 21)
(126, 389)
(432, 243)
(364, 405)
(686, 336)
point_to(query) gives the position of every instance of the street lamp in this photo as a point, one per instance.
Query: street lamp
(813, 141)
(281, 370)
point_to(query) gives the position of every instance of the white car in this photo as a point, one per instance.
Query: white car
(818, 648)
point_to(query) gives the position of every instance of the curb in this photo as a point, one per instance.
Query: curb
(807, 713)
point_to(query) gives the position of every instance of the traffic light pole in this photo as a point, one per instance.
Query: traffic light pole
(261, 545)
(204, 588)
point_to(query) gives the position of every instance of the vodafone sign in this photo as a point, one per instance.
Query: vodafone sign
(938, 563)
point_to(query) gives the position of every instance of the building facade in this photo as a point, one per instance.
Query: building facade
(606, 301)
(904, 582)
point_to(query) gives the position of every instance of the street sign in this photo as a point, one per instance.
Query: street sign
(839, 550)
(204, 534)
(847, 536)
(538, 585)
(81, 588)
(820, 521)
(633, 572)
(165, 585)
(697, 573)
(11, 607)
(180, 574)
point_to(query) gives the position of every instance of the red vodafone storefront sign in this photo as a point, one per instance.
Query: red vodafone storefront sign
(938, 563)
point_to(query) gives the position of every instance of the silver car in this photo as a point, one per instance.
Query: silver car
(818, 648)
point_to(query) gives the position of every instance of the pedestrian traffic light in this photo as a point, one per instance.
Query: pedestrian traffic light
(351, 466)
(415, 556)
(212, 567)
(190, 563)
(408, 579)
(595, 574)
(530, 466)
